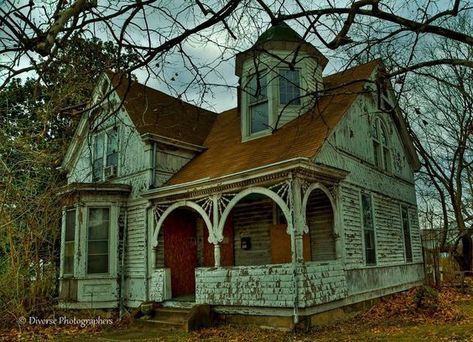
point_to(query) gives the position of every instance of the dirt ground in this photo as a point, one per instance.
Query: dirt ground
(417, 315)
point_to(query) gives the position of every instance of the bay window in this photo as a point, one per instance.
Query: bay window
(69, 244)
(98, 229)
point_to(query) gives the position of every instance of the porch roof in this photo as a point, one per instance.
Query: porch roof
(119, 189)
(226, 154)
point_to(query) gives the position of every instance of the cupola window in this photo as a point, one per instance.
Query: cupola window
(258, 103)
(289, 87)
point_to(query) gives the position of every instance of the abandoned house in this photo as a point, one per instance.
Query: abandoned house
(298, 201)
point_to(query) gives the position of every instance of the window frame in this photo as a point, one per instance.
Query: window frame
(104, 155)
(109, 241)
(291, 103)
(260, 100)
(408, 257)
(373, 230)
(382, 158)
(73, 242)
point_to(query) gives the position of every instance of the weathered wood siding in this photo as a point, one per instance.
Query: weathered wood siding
(136, 252)
(321, 283)
(270, 285)
(169, 161)
(253, 219)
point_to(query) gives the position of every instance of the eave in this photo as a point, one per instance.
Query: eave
(301, 166)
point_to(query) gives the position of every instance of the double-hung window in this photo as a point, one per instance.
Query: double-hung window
(289, 87)
(406, 230)
(69, 242)
(98, 240)
(258, 103)
(368, 229)
(105, 154)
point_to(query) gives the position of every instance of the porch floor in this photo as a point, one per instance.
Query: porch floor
(185, 302)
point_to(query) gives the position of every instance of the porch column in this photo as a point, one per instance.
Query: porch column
(298, 220)
(215, 238)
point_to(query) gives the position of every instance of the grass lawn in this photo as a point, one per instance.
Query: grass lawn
(391, 320)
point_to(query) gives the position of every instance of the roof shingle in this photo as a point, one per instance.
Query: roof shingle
(303, 137)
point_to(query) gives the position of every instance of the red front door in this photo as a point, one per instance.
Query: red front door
(180, 251)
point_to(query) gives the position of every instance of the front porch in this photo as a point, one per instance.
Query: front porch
(267, 241)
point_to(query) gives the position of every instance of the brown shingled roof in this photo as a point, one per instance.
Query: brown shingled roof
(302, 137)
(155, 112)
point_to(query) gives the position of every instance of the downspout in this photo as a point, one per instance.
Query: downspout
(122, 264)
(294, 251)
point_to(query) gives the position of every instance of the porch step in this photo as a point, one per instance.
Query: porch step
(198, 316)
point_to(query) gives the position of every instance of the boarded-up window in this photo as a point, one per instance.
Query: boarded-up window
(97, 240)
(69, 237)
(319, 214)
(368, 229)
(406, 229)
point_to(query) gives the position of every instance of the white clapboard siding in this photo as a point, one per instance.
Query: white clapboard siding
(350, 200)
(136, 249)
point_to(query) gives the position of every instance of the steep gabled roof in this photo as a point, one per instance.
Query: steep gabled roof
(303, 137)
(155, 112)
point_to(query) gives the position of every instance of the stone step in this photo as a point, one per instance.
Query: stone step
(160, 324)
(171, 314)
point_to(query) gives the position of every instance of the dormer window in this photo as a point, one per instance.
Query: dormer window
(105, 155)
(382, 153)
(289, 87)
(258, 103)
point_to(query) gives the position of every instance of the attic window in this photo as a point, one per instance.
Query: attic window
(105, 155)
(258, 103)
(289, 87)
(381, 150)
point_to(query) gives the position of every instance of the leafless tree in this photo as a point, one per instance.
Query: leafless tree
(161, 32)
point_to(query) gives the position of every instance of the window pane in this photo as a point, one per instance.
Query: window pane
(70, 224)
(407, 234)
(68, 265)
(99, 145)
(384, 136)
(97, 247)
(259, 117)
(289, 87)
(112, 159)
(377, 153)
(97, 264)
(257, 88)
(387, 159)
(112, 141)
(368, 229)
